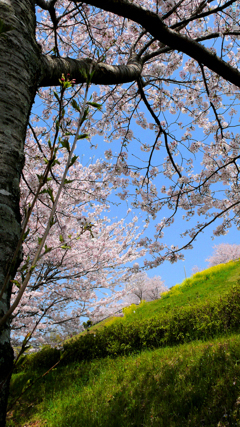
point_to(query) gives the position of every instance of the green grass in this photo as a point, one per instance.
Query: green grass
(207, 285)
(193, 384)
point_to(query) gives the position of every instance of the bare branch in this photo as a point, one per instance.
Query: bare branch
(211, 103)
(159, 126)
(210, 36)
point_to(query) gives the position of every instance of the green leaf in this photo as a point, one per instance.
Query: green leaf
(67, 84)
(65, 247)
(25, 266)
(55, 162)
(75, 105)
(50, 192)
(26, 339)
(62, 354)
(43, 191)
(95, 105)
(39, 240)
(40, 178)
(73, 160)
(16, 282)
(85, 114)
(61, 238)
(56, 96)
(68, 181)
(65, 144)
(52, 222)
(28, 383)
(89, 77)
(26, 234)
(83, 72)
(83, 136)
(47, 249)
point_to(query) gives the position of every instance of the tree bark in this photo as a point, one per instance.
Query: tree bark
(19, 65)
(104, 74)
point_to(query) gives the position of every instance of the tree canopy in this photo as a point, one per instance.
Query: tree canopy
(179, 63)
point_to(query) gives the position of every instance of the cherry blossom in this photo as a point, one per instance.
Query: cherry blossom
(86, 253)
(223, 253)
(141, 287)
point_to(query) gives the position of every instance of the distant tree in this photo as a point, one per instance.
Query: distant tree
(196, 269)
(143, 287)
(223, 253)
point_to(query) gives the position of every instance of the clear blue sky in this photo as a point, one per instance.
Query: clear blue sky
(202, 247)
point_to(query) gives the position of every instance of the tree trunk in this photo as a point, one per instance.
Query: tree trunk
(19, 73)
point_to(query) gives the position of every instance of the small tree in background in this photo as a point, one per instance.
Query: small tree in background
(223, 253)
(196, 269)
(145, 288)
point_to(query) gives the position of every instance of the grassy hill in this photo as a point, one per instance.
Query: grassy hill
(171, 362)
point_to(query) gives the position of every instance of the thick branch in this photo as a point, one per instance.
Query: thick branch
(156, 27)
(52, 69)
(210, 36)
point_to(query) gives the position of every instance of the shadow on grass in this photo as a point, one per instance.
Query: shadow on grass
(182, 392)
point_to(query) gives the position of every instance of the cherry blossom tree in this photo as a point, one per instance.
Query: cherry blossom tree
(138, 287)
(171, 67)
(196, 269)
(86, 251)
(141, 287)
(223, 253)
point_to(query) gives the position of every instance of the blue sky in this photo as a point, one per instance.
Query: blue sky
(202, 247)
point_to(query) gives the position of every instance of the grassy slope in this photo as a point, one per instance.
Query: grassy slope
(206, 285)
(194, 384)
